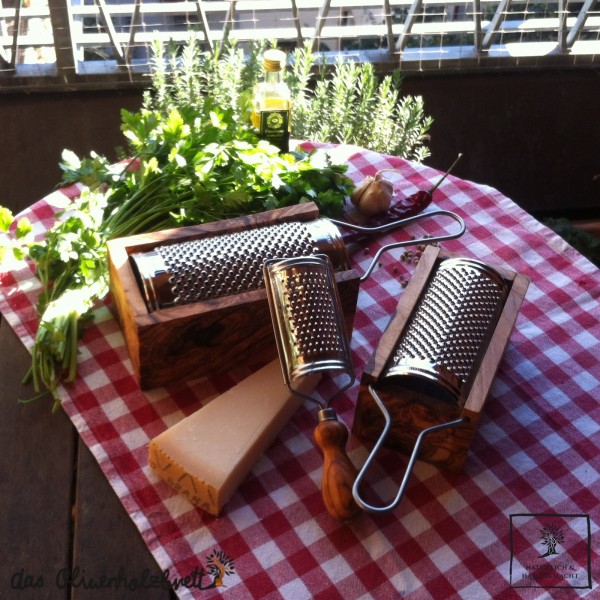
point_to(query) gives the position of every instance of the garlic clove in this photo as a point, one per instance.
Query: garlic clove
(360, 189)
(373, 196)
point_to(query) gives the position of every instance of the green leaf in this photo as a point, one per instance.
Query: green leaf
(6, 219)
(24, 228)
(70, 160)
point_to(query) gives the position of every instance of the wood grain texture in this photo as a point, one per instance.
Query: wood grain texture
(58, 510)
(36, 468)
(107, 547)
(412, 410)
(338, 471)
(211, 336)
(411, 413)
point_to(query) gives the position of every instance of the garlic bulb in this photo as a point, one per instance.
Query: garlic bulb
(373, 196)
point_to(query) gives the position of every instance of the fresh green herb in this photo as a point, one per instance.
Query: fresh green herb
(71, 266)
(17, 242)
(187, 166)
(343, 103)
(191, 156)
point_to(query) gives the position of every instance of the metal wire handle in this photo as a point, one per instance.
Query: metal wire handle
(411, 463)
(386, 227)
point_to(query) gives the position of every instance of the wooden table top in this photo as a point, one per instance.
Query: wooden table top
(60, 512)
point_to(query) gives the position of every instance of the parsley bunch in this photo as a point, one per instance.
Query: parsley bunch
(71, 265)
(191, 164)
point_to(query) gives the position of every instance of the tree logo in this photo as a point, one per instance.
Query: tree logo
(552, 536)
(550, 550)
(218, 565)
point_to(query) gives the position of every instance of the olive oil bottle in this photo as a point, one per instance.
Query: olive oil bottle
(272, 103)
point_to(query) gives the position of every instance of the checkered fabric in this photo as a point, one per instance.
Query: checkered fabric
(454, 535)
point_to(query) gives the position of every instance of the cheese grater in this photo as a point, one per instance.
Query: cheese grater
(450, 327)
(435, 363)
(311, 338)
(222, 265)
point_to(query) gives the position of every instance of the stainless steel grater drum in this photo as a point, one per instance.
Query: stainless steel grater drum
(214, 267)
(449, 328)
(308, 317)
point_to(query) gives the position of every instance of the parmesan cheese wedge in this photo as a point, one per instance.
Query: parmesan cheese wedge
(206, 456)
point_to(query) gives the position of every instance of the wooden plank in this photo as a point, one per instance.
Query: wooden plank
(36, 471)
(108, 550)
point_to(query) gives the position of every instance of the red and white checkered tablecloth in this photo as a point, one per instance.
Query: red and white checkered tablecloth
(533, 464)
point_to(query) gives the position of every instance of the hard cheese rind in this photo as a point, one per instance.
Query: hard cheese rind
(207, 455)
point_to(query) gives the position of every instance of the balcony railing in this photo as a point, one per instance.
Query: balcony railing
(79, 43)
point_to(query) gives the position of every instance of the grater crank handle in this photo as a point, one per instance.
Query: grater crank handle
(338, 471)
(369, 231)
(411, 463)
(423, 240)
(397, 224)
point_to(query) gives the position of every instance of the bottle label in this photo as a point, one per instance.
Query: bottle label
(274, 127)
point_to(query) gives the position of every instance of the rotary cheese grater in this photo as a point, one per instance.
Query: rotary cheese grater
(212, 267)
(222, 265)
(450, 327)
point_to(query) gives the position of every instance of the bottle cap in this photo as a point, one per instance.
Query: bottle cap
(273, 60)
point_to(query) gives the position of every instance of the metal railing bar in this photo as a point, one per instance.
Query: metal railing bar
(497, 19)
(540, 24)
(189, 6)
(562, 25)
(387, 14)
(204, 23)
(415, 7)
(112, 32)
(141, 37)
(135, 18)
(477, 28)
(145, 37)
(34, 78)
(15, 41)
(297, 23)
(229, 20)
(577, 28)
(320, 22)
(385, 22)
(60, 21)
(328, 32)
